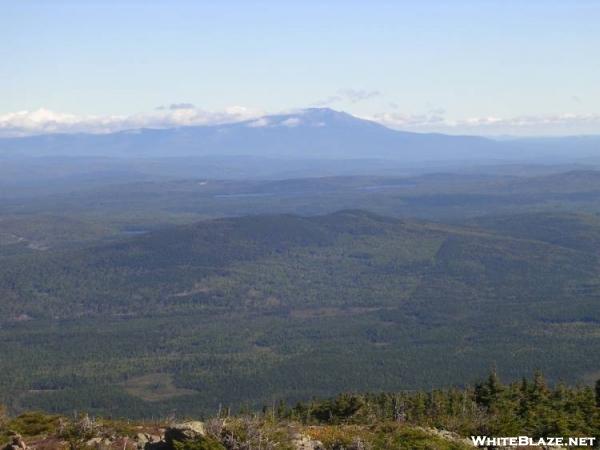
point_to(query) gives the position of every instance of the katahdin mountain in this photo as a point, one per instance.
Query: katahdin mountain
(314, 133)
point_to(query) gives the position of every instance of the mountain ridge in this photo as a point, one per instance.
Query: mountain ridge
(308, 142)
(315, 132)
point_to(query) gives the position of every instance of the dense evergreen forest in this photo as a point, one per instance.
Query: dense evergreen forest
(527, 407)
(285, 307)
(128, 298)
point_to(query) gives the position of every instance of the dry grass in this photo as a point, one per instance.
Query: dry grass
(155, 387)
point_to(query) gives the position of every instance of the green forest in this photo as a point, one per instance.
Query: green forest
(283, 307)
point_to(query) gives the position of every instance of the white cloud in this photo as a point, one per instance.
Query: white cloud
(43, 121)
(531, 125)
(358, 95)
(348, 95)
(259, 123)
(402, 120)
(174, 106)
(291, 122)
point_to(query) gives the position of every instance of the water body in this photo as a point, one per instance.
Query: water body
(379, 187)
(133, 232)
(258, 194)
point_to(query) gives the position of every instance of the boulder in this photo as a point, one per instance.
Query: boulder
(94, 442)
(99, 443)
(145, 440)
(303, 442)
(16, 443)
(141, 440)
(185, 431)
(446, 435)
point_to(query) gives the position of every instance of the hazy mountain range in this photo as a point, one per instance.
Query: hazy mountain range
(316, 133)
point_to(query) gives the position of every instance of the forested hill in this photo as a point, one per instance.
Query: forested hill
(281, 263)
(176, 267)
(286, 307)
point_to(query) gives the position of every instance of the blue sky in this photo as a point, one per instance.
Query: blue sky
(485, 67)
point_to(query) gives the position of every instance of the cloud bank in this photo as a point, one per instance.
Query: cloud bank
(531, 125)
(349, 96)
(44, 121)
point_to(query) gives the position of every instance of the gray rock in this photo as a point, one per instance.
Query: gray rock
(148, 441)
(99, 443)
(303, 442)
(16, 443)
(185, 431)
(141, 440)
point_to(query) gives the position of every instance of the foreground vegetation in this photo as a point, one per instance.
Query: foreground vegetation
(438, 419)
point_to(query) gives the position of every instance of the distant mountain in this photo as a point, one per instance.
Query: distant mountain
(309, 143)
(312, 133)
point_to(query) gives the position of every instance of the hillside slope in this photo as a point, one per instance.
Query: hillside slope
(287, 306)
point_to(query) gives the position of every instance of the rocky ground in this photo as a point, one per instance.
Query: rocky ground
(39, 432)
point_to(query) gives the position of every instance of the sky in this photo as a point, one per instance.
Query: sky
(526, 67)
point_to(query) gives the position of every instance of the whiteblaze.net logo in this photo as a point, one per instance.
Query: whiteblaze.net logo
(526, 441)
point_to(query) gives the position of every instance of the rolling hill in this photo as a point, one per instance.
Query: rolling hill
(283, 306)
